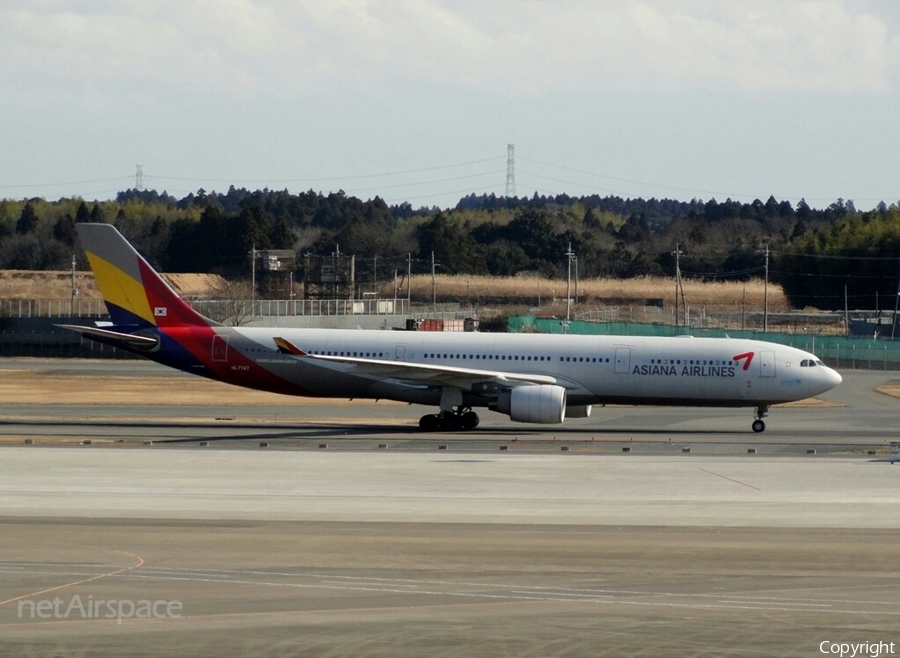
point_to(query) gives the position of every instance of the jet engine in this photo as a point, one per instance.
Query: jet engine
(536, 403)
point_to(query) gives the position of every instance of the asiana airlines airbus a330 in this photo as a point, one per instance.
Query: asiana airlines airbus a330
(530, 378)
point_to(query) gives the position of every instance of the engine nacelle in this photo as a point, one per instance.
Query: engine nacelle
(535, 403)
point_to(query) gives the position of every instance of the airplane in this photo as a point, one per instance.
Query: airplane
(532, 378)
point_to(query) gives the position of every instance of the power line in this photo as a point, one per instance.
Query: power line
(75, 182)
(428, 182)
(335, 178)
(428, 196)
(676, 187)
(830, 257)
(817, 275)
(724, 275)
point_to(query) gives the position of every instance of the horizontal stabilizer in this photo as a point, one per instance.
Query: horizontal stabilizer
(132, 340)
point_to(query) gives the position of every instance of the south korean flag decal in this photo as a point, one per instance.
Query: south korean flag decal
(159, 311)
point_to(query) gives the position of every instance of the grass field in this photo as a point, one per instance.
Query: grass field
(515, 294)
(23, 284)
(531, 290)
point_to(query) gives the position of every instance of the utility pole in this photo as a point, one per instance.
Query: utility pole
(569, 256)
(252, 280)
(74, 289)
(375, 276)
(743, 302)
(575, 258)
(766, 294)
(678, 287)
(408, 281)
(846, 311)
(433, 284)
(896, 302)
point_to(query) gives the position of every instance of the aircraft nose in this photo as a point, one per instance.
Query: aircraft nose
(833, 377)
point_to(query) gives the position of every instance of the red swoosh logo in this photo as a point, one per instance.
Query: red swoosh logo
(746, 357)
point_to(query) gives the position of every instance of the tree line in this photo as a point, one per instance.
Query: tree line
(815, 252)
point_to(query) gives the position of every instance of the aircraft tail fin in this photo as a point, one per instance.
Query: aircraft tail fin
(133, 291)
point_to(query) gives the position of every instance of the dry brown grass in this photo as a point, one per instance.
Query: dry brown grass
(889, 389)
(533, 290)
(22, 284)
(34, 387)
(524, 290)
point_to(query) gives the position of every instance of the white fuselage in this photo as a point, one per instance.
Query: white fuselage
(592, 369)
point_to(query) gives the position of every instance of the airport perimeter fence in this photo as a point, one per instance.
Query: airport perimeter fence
(836, 351)
(39, 337)
(212, 308)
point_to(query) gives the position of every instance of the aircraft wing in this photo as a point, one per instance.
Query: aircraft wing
(422, 373)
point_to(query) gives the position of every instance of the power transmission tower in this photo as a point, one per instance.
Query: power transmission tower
(139, 178)
(510, 170)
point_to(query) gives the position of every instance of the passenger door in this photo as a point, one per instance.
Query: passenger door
(220, 348)
(623, 360)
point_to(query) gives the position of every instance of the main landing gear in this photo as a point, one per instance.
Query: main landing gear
(461, 419)
(761, 412)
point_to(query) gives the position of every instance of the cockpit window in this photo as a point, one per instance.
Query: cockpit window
(804, 363)
(819, 363)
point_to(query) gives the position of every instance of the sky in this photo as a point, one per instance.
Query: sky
(417, 100)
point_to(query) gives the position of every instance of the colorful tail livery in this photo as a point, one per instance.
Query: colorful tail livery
(527, 377)
(134, 293)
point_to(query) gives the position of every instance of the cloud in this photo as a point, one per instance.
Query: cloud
(528, 47)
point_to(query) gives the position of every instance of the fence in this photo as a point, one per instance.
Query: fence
(52, 308)
(837, 351)
(212, 308)
(38, 337)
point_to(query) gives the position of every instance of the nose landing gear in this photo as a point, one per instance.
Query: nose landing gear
(761, 412)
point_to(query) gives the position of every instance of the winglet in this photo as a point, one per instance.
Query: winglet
(286, 347)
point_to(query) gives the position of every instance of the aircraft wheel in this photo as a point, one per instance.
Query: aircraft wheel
(758, 426)
(429, 422)
(469, 420)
